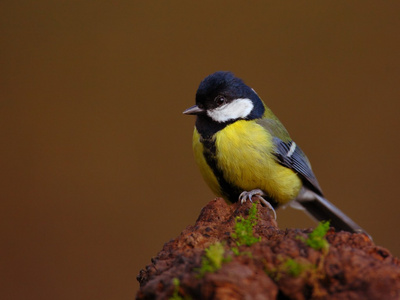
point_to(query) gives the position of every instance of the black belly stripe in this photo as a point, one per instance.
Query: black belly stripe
(230, 191)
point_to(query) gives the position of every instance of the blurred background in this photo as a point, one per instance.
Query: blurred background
(96, 166)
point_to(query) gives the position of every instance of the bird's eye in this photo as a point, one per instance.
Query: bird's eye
(220, 100)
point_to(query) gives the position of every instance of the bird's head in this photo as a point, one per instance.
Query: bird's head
(223, 98)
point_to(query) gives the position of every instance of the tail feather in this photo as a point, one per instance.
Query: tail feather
(323, 210)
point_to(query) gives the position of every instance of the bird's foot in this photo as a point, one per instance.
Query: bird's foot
(249, 195)
(256, 193)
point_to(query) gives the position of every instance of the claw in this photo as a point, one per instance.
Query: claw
(256, 193)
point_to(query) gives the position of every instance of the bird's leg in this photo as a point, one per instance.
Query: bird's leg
(256, 193)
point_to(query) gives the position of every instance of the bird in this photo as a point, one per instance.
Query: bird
(243, 152)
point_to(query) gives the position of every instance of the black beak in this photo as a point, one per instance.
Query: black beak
(194, 110)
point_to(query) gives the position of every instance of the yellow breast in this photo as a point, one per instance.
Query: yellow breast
(244, 154)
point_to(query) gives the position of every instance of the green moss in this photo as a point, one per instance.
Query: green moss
(235, 250)
(290, 266)
(213, 259)
(244, 228)
(294, 268)
(175, 295)
(300, 266)
(316, 239)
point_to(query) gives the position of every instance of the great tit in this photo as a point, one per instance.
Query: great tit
(244, 151)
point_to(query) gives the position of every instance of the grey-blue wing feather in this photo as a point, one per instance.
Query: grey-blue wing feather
(290, 155)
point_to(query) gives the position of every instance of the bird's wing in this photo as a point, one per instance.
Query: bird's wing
(290, 155)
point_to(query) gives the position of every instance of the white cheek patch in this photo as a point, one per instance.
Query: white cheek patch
(238, 108)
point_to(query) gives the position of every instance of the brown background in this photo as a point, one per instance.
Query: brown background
(96, 168)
